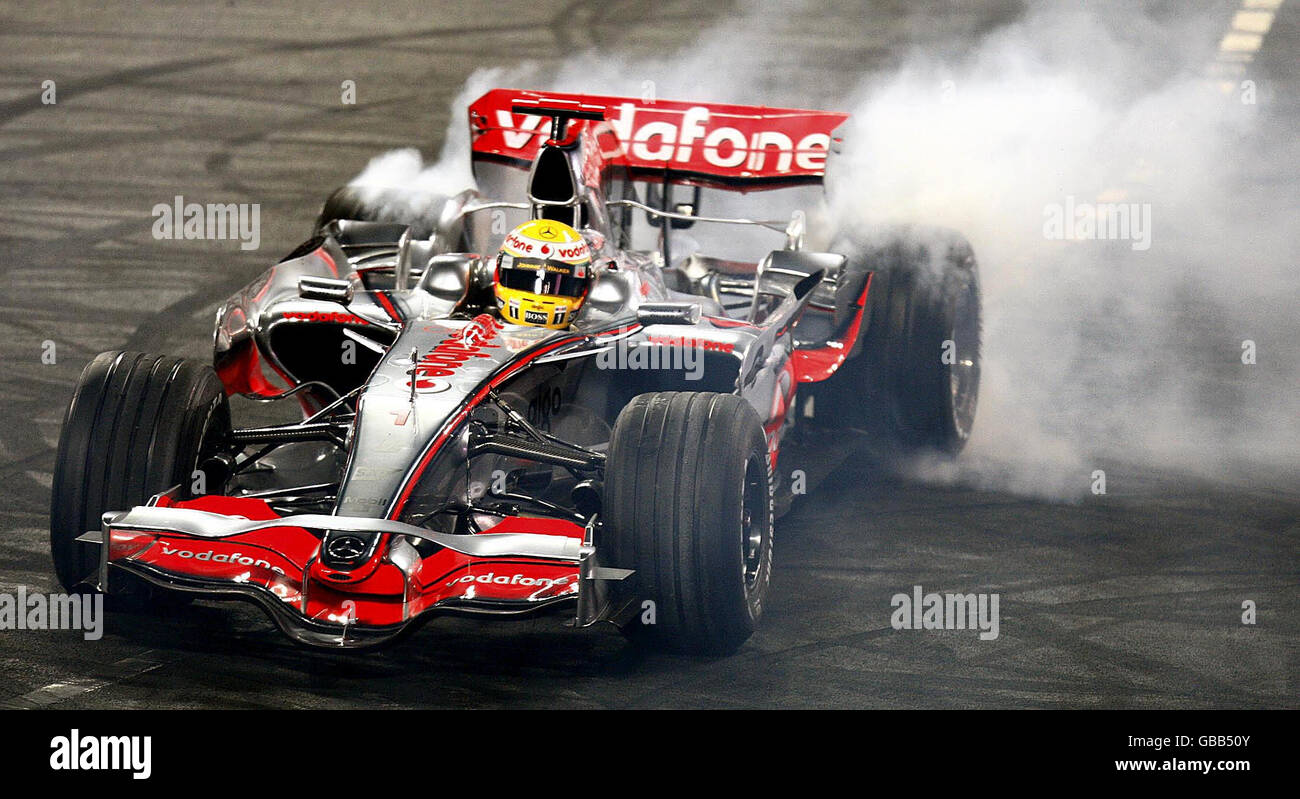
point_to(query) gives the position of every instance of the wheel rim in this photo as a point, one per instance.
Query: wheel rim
(753, 521)
(964, 374)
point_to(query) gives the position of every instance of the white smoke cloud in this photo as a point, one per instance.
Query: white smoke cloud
(1094, 351)
(400, 186)
(1097, 351)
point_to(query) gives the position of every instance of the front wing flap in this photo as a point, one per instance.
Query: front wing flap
(520, 566)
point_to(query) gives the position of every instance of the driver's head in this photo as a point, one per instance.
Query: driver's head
(543, 273)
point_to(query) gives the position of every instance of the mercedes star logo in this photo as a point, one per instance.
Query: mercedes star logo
(346, 547)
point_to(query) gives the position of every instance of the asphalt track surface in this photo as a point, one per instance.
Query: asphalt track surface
(1128, 600)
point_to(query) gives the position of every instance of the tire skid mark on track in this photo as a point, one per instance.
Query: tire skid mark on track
(201, 129)
(924, 673)
(25, 461)
(1104, 656)
(116, 672)
(19, 106)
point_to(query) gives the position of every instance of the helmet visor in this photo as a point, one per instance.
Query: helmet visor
(543, 276)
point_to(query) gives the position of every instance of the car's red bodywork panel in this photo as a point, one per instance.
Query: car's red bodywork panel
(283, 561)
(735, 145)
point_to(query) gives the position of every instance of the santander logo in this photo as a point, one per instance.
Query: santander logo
(769, 142)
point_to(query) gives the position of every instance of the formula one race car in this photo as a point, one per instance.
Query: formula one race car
(624, 462)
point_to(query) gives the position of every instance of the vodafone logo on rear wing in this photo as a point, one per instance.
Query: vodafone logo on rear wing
(729, 142)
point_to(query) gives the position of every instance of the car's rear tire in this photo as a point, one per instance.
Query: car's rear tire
(688, 507)
(137, 425)
(915, 378)
(346, 202)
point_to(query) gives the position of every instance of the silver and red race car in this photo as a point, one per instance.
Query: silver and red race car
(627, 468)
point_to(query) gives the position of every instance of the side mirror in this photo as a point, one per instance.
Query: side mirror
(668, 313)
(329, 289)
(448, 276)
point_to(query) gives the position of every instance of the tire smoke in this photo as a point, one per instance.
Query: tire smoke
(1027, 135)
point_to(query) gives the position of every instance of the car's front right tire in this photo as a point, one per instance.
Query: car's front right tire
(688, 507)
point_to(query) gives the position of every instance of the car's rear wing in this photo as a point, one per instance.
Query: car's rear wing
(731, 146)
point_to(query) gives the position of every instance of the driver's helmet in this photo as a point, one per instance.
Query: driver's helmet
(543, 273)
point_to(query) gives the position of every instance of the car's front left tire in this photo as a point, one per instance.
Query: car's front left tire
(137, 425)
